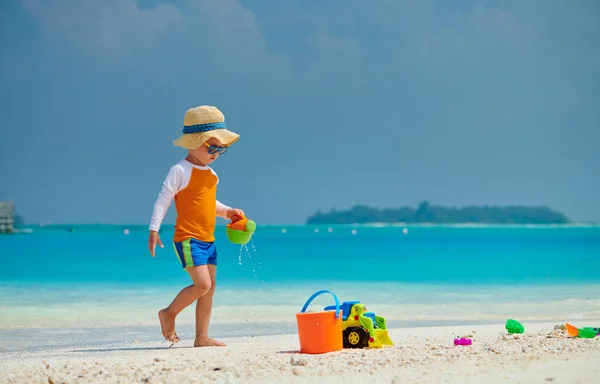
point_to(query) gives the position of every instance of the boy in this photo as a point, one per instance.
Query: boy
(193, 186)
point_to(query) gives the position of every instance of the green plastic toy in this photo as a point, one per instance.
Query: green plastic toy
(513, 326)
(587, 333)
(240, 231)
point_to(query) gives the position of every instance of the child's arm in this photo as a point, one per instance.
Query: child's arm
(222, 210)
(227, 212)
(170, 187)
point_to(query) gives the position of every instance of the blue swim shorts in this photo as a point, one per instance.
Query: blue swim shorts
(192, 252)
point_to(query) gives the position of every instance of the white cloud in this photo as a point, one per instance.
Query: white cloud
(234, 25)
(113, 27)
(216, 33)
(223, 33)
(227, 36)
(499, 22)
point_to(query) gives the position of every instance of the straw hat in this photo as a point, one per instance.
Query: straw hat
(200, 124)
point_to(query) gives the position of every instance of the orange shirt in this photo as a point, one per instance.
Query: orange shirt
(194, 189)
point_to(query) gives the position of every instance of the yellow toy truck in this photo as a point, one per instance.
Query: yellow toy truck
(360, 328)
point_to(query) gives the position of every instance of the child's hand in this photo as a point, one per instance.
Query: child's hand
(235, 214)
(152, 241)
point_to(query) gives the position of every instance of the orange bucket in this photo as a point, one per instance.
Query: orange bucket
(320, 332)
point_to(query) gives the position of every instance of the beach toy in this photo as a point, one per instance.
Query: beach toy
(362, 329)
(573, 331)
(240, 231)
(463, 341)
(320, 332)
(597, 330)
(513, 326)
(585, 332)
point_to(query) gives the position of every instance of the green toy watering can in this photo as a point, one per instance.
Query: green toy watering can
(240, 231)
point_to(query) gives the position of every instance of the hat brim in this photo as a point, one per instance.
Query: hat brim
(195, 140)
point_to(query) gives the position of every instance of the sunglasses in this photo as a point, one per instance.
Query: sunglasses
(212, 149)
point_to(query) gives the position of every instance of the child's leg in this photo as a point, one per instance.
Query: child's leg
(202, 284)
(203, 312)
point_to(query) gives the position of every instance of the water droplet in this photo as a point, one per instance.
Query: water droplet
(240, 256)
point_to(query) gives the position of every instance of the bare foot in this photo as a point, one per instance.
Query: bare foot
(208, 342)
(167, 324)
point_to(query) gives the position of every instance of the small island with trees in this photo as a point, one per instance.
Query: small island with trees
(426, 213)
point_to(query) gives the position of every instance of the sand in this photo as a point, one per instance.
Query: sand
(542, 354)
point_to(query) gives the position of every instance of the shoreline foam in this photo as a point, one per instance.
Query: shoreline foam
(401, 305)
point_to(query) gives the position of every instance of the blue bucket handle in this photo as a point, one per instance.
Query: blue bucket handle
(337, 302)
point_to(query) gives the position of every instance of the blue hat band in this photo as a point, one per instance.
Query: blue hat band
(203, 127)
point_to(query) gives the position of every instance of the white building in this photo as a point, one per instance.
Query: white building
(7, 213)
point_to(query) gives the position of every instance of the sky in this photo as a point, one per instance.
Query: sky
(338, 103)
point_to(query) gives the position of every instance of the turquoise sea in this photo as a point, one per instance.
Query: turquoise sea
(98, 284)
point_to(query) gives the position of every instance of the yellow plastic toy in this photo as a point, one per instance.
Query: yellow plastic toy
(361, 329)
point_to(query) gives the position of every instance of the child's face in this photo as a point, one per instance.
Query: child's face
(209, 151)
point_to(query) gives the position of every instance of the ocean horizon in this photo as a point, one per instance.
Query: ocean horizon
(67, 285)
